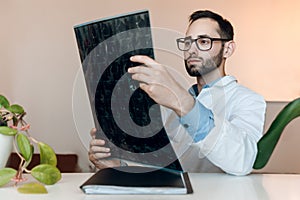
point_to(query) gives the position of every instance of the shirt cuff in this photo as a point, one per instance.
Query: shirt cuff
(198, 122)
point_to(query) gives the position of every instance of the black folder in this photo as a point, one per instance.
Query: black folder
(137, 180)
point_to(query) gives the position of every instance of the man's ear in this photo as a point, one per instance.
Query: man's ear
(229, 48)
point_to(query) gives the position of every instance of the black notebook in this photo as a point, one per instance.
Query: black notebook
(137, 180)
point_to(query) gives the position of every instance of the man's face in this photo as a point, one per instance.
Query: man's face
(197, 62)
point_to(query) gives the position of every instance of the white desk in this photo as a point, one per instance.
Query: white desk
(206, 187)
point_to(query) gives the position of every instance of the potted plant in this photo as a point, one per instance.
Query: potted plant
(6, 143)
(14, 131)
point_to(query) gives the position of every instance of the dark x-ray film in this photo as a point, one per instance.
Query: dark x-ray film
(124, 115)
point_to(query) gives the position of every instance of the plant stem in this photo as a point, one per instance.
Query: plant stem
(27, 171)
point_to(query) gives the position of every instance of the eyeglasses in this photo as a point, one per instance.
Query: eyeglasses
(203, 43)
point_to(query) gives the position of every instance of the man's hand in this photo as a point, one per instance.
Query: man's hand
(158, 83)
(98, 153)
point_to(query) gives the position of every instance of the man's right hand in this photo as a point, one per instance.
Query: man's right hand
(99, 154)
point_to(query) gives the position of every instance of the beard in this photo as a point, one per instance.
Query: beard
(206, 66)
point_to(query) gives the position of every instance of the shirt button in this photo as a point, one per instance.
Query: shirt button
(185, 125)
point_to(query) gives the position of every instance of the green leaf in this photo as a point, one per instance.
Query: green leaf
(32, 188)
(4, 102)
(47, 154)
(29, 160)
(24, 146)
(8, 131)
(6, 174)
(46, 174)
(16, 109)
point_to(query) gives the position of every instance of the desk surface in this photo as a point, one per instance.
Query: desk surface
(206, 186)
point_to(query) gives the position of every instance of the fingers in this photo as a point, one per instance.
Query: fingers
(143, 78)
(143, 59)
(93, 133)
(140, 69)
(145, 87)
(97, 147)
(145, 72)
(99, 154)
(97, 151)
(97, 142)
(99, 163)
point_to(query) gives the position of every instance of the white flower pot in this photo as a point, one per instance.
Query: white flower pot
(6, 143)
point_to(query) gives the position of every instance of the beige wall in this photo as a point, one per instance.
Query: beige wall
(39, 65)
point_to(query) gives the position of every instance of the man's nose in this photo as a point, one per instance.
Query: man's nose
(193, 49)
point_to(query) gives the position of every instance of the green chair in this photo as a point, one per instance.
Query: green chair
(268, 142)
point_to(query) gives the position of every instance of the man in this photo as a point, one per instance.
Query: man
(223, 119)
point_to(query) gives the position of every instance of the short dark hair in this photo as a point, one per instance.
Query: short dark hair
(226, 29)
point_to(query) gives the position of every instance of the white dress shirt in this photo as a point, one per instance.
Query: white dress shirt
(231, 145)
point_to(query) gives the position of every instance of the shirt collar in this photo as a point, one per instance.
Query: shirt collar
(220, 82)
(208, 85)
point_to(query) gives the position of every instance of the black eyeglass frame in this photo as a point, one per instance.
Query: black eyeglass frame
(199, 37)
